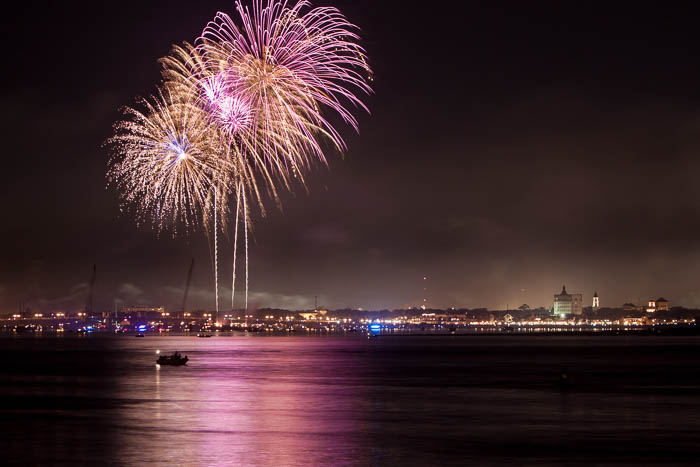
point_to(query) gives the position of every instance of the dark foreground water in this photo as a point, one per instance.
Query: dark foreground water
(476, 400)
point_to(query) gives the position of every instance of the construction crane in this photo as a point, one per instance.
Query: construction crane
(88, 305)
(187, 286)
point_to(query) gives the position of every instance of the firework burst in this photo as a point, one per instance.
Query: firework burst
(240, 113)
(288, 65)
(167, 166)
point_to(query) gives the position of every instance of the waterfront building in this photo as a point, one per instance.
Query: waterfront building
(660, 304)
(568, 304)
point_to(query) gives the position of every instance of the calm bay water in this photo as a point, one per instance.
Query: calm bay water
(485, 400)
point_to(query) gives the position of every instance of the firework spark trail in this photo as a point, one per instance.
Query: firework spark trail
(245, 233)
(216, 260)
(235, 245)
(240, 195)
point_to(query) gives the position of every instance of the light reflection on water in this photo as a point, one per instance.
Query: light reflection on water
(350, 401)
(260, 401)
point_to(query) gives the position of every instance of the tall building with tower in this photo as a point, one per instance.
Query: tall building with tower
(596, 300)
(568, 304)
(660, 304)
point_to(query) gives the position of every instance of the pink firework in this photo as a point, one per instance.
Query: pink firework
(287, 64)
(234, 113)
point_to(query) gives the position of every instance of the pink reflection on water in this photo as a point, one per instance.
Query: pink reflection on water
(244, 400)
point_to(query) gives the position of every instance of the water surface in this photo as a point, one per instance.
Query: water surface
(486, 400)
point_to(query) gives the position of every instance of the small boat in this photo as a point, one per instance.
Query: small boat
(203, 335)
(175, 360)
(140, 335)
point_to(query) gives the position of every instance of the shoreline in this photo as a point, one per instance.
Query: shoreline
(524, 331)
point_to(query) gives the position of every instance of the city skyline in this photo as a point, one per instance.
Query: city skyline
(131, 295)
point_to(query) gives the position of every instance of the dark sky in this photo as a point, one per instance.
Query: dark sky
(512, 147)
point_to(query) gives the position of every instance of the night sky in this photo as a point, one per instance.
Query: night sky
(512, 147)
